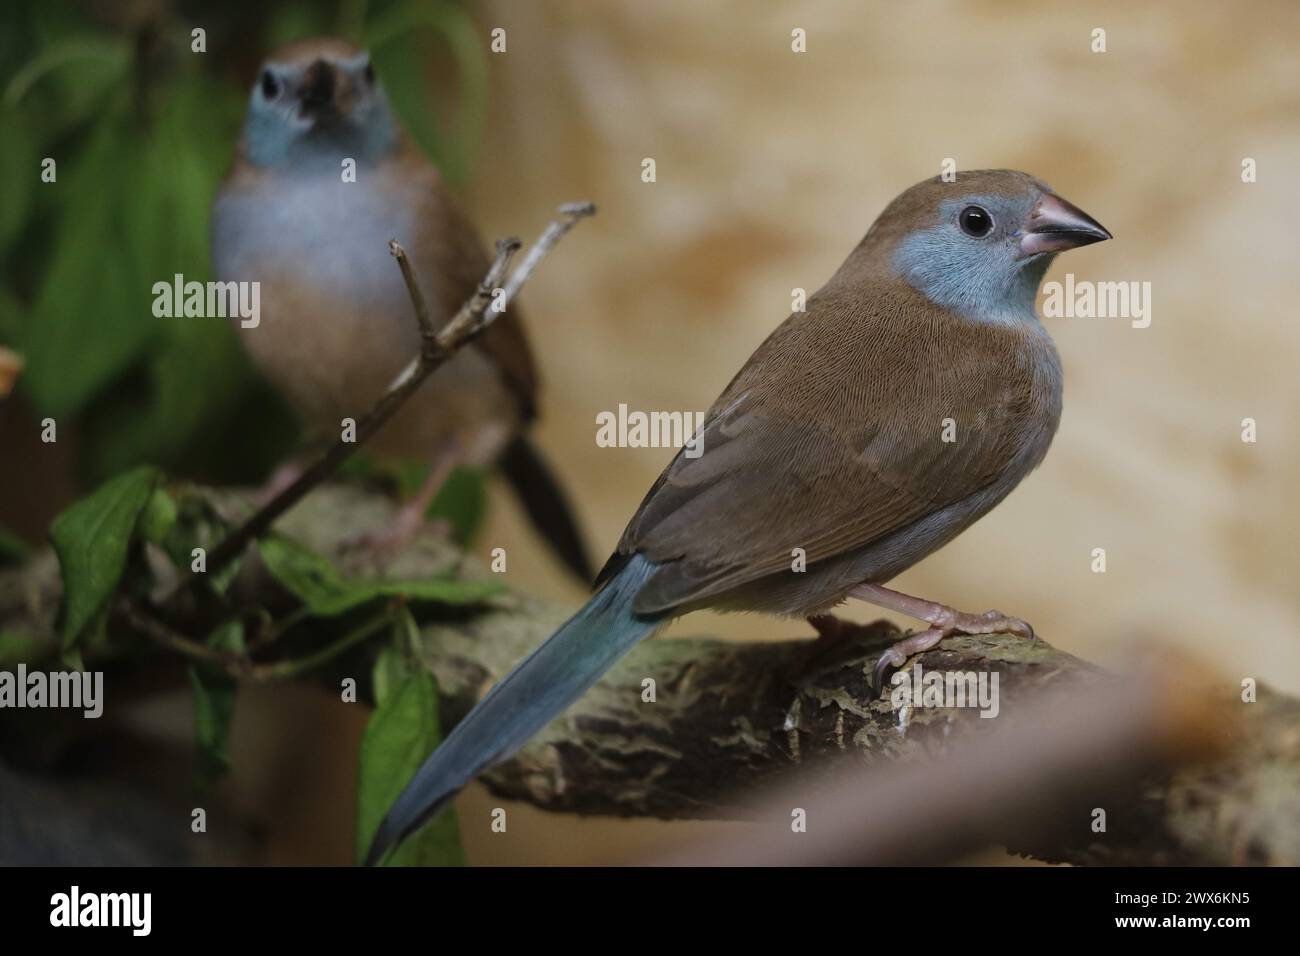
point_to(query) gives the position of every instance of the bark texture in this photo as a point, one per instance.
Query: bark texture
(729, 720)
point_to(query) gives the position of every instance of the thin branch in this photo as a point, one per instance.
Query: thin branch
(236, 665)
(427, 362)
(427, 331)
(570, 215)
(283, 670)
(467, 325)
(470, 320)
(271, 632)
(241, 666)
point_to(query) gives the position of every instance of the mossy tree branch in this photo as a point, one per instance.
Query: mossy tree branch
(733, 719)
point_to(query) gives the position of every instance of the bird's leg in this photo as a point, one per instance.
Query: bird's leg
(941, 616)
(942, 619)
(391, 540)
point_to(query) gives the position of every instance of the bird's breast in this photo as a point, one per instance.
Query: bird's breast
(323, 232)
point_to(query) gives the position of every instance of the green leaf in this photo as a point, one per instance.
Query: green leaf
(293, 21)
(398, 39)
(92, 315)
(92, 539)
(315, 581)
(391, 670)
(401, 733)
(193, 392)
(214, 706)
(80, 68)
(194, 523)
(159, 516)
(20, 172)
(17, 647)
(462, 503)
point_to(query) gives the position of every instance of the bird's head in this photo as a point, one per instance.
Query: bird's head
(317, 101)
(981, 244)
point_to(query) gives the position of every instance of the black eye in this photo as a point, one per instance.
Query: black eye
(975, 222)
(370, 73)
(270, 86)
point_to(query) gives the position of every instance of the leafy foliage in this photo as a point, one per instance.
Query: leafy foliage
(92, 539)
(16, 647)
(142, 130)
(401, 733)
(461, 502)
(214, 706)
(326, 593)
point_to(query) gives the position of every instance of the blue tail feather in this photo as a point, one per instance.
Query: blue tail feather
(541, 686)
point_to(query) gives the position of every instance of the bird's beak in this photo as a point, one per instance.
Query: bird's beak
(318, 88)
(1056, 225)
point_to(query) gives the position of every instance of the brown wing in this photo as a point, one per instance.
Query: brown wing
(832, 437)
(456, 252)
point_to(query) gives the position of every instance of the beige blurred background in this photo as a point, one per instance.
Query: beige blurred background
(771, 165)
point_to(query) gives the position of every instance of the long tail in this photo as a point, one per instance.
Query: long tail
(525, 701)
(547, 505)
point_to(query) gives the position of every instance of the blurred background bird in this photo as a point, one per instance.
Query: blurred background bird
(323, 178)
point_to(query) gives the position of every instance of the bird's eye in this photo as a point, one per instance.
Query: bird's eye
(270, 86)
(370, 73)
(975, 222)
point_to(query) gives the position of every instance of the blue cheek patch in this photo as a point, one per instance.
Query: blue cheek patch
(977, 278)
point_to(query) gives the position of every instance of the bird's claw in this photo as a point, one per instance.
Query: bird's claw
(890, 659)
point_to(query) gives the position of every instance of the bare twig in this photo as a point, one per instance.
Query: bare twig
(436, 348)
(241, 666)
(236, 665)
(474, 323)
(427, 331)
(570, 214)
(283, 670)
